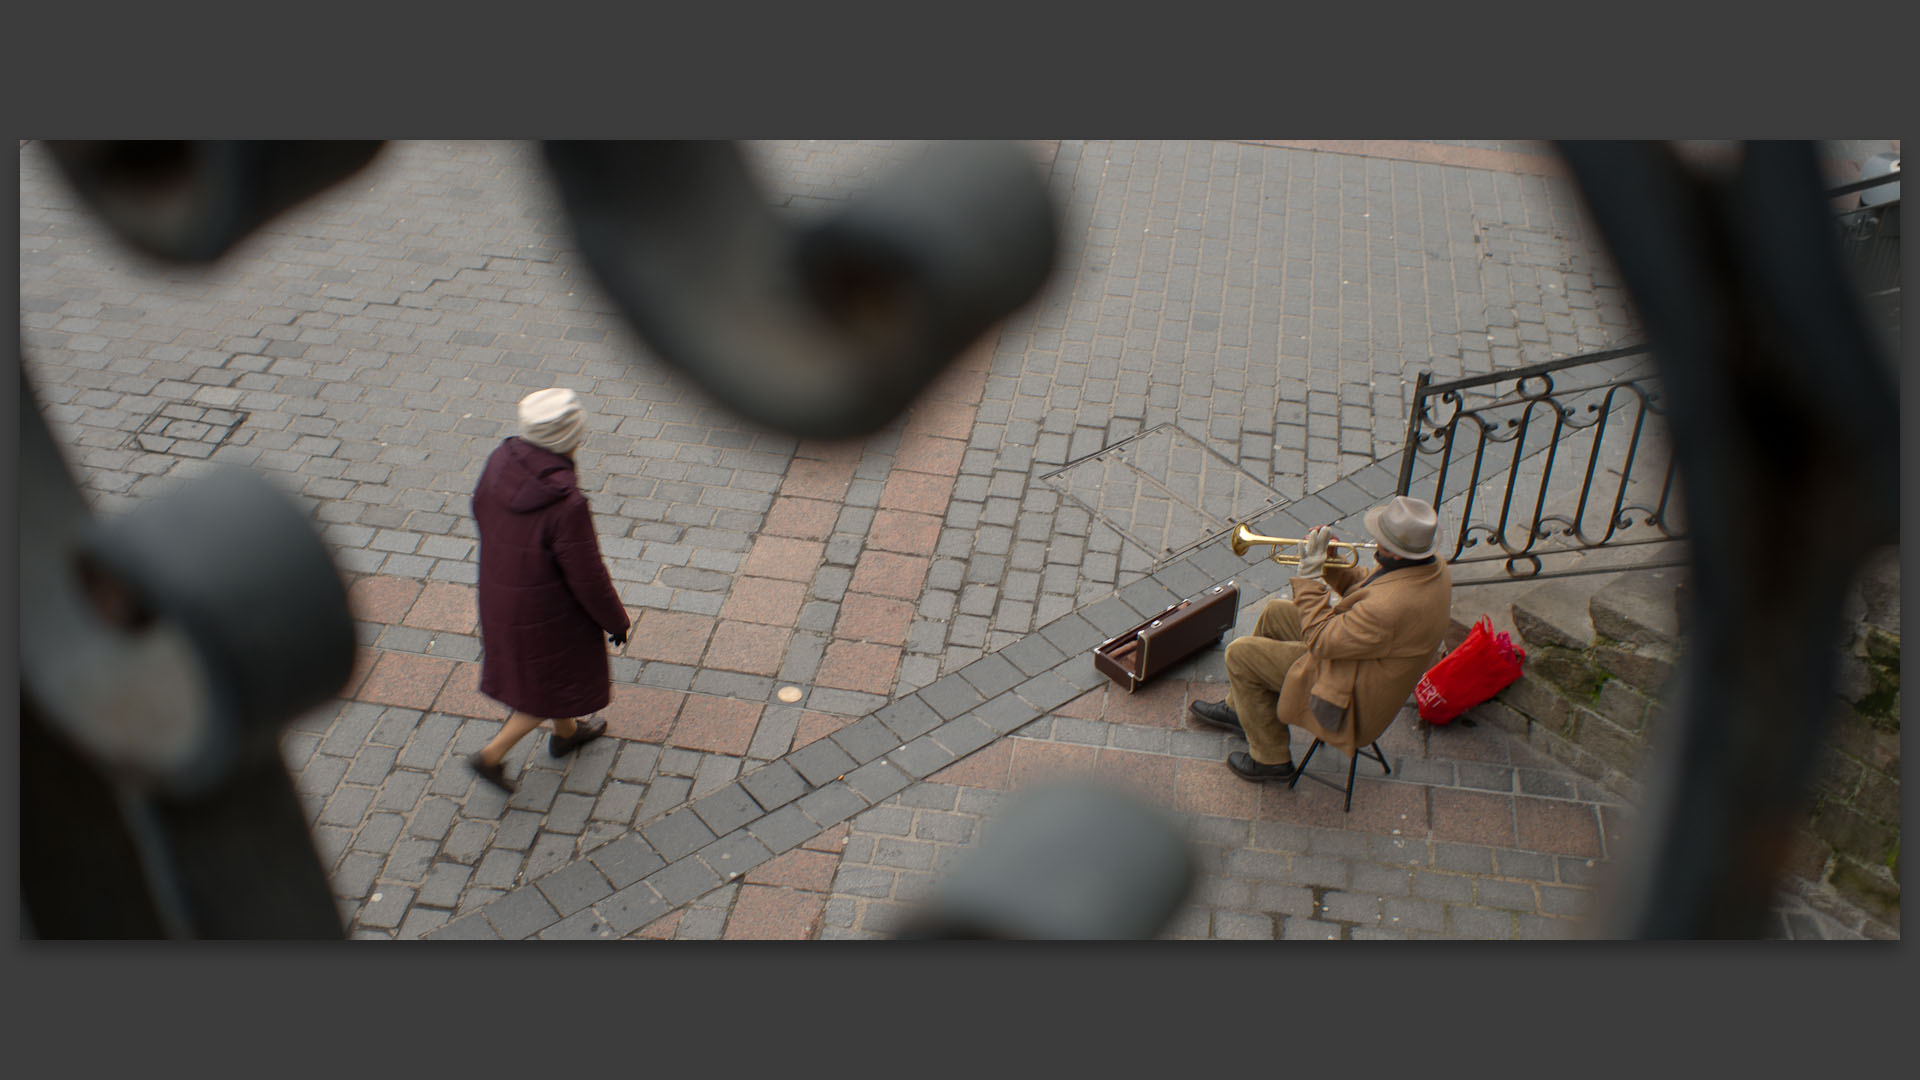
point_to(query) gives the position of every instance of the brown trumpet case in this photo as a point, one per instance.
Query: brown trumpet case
(1136, 655)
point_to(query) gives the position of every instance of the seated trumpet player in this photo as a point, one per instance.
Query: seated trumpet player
(1341, 657)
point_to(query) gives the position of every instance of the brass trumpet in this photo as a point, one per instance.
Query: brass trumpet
(1244, 538)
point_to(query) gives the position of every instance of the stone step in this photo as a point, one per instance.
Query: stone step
(1640, 608)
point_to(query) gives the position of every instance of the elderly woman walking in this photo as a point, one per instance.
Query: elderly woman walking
(545, 595)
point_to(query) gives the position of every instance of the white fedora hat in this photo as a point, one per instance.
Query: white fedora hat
(1405, 526)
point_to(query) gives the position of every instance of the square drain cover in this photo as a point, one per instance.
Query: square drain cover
(1164, 491)
(185, 430)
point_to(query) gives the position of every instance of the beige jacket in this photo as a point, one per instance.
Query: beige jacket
(1367, 650)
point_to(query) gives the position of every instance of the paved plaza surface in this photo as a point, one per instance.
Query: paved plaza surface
(1233, 330)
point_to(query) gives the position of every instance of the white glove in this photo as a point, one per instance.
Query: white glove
(1313, 559)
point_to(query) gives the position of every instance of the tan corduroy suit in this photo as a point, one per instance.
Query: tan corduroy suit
(1365, 651)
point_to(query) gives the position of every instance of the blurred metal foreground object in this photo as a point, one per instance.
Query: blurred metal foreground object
(1073, 861)
(192, 201)
(829, 329)
(1785, 426)
(160, 655)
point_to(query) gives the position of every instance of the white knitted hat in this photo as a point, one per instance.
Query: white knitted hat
(553, 419)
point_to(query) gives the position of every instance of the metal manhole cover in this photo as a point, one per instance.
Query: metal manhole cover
(185, 430)
(1164, 491)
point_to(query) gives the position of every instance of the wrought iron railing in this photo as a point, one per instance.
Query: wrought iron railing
(1538, 470)
(1538, 466)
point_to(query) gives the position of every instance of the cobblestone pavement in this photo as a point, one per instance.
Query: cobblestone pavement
(1232, 331)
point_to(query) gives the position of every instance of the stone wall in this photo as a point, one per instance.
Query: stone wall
(1599, 660)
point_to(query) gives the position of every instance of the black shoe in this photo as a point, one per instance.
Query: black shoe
(1217, 714)
(495, 774)
(1246, 768)
(584, 731)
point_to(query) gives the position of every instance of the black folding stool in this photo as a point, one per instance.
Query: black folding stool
(1352, 766)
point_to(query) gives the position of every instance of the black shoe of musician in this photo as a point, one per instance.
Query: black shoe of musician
(1217, 714)
(1246, 768)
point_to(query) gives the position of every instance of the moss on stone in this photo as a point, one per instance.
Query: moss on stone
(1883, 648)
(1869, 885)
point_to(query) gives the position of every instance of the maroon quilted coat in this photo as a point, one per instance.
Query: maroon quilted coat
(545, 598)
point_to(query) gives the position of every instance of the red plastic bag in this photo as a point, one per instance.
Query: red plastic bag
(1482, 666)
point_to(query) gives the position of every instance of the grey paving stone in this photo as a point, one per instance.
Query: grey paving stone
(1557, 900)
(774, 785)
(1006, 713)
(963, 736)
(1378, 880)
(735, 853)
(922, 757)
(830, 805)
(636, 762)
(820, 761)
(1300, 929)
(1513, 896)
(443, 885)
(1343, 844)
(677, 834)
(1148, 597)
(876, 780)
(1480, 924)
(1399, 851)
(1544, 783)
(468, 841)
(727, 809)
(499, 868)
(1525, 864)
(992, 675)
(573, 887)
(474, 927)
(1072, 634)
(1047, 691)
(1453, 888)
(1033, 654)
(632, 908)
(1243, 926)
(537, 790)
(569, 814)
(1350, 907)
(618, 802)
(951, 696)
(626, 860)
(1462, 858)
(664, 794)
(520, 914)
(385, 907)
(1543, 928)
(909, 718)
(863, 881)
(1318, 870)
(585, 925)
(401, 791)
(784, 829)
(419, 922)
(1577, 871)
(1110, 616)
(866, 739)
(682, 881)
(1473, 774)
(1259, 865)
(517, 830)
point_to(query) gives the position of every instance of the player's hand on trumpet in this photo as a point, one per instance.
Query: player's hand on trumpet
(1313, 553)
